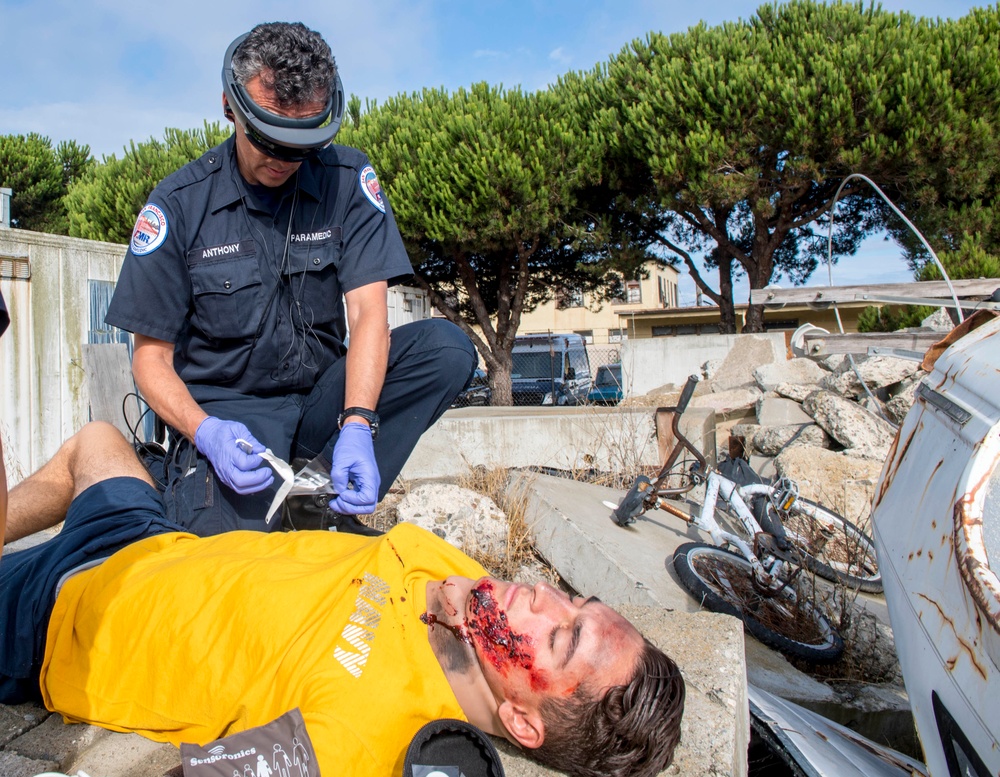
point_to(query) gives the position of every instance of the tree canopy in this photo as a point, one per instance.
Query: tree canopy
(39, 176)
(720, 147)
(104, 201)
(484, 184)
(749, 128)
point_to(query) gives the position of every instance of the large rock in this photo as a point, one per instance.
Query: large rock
(778, 411)
(900, 404)
(796, 391)
(772, 440)
(737, 402)
(748, 353)
(863, 434)
(843, 483)
(938, 321)
(796, 371)
(877, 372)
(468, 520)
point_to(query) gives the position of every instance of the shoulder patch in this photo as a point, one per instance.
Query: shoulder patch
(150, 230)
(370, 186)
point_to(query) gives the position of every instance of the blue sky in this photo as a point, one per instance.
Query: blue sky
(106, 72)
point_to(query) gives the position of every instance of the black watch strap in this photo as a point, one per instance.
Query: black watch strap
(369, 415)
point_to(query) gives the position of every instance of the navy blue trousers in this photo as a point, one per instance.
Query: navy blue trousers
(430, 362)
(102, 520)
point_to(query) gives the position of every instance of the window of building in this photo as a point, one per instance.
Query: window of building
(780, 324)
(617, 335)
(15, 268)
(569, 298)
(586, 334)
(664, 331)
(633, 292)
(662, 285)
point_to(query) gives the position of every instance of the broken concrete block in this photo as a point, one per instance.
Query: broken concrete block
(470, 521)
(864, 434)
(747, 354)
(778, 411)
(823, 476)
(794, 371)
(772, 440)
(876, 372)
(795, 391)
(901, 402)
(737, 402)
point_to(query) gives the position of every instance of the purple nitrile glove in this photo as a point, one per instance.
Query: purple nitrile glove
(220, 442)
(354, 464)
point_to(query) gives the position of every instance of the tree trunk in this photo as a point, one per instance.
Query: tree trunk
(727, 310)
(754, 321)
(499, 377)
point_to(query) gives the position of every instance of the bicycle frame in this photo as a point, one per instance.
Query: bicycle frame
(737, 497)
(717, 485)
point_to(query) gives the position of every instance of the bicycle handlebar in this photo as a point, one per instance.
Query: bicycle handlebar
(687, 393)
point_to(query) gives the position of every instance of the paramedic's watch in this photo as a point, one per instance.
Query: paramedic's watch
(369, 415)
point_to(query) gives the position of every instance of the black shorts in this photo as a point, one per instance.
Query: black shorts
(102, 520)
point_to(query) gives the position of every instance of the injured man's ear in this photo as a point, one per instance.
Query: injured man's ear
(555, 666)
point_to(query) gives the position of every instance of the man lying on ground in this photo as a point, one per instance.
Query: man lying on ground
(187, 639)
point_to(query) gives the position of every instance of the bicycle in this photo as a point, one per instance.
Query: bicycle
(756, 577)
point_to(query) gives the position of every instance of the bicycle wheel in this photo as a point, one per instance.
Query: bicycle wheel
(723, 582)
(833, 547)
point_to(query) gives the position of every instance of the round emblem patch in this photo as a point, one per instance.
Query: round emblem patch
(150, 230)
(370, 186)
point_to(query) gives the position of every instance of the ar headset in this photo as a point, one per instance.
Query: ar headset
(281, 137)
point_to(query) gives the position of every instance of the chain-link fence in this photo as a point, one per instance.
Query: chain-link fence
(577, 374)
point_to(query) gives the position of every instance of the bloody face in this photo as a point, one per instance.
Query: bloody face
(536, 640)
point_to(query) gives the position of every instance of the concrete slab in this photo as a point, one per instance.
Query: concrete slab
(13, 765)
(573, 438)
(127, 755)
(573, 530)
(17, 719)
(778, 411)
(55, 741)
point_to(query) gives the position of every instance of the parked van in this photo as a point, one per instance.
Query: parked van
(550, 370)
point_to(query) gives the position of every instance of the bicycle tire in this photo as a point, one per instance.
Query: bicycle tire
(723, 582)
(846, 556)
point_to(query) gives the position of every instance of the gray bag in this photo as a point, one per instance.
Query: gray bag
(281, 748)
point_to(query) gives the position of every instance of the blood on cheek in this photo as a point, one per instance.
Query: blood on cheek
(503, 647)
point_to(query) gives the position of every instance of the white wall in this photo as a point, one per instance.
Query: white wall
(650, 363)
(42, 398)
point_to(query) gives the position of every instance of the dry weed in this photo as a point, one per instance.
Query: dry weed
(519, 552)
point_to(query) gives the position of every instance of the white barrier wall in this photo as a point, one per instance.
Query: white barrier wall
(45, 282)
(650, 364)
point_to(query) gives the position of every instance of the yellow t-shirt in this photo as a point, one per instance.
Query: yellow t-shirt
(183, 639)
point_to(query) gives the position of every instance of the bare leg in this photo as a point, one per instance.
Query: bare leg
(97, 452)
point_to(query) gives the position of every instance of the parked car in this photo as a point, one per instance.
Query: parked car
(607, 388)
(478, 392)
(550, 370)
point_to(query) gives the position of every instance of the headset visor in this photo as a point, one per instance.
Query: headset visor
(281, 137)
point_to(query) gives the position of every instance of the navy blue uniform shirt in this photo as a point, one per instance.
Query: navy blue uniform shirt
(252, 301)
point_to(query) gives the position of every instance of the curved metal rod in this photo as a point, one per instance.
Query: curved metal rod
(898, 212)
